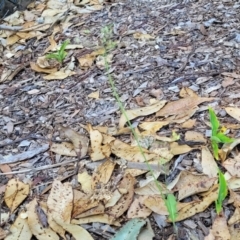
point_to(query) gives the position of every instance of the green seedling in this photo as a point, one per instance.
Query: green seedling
(60, 54)
(217, 136)
(222, 192)
(169, 199)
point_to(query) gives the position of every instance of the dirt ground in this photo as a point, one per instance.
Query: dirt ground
(190, 45)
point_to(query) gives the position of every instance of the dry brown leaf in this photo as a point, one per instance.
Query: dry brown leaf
(231, 74)
(189, 123)
(144, 111)
(78, 232)
(234, 232)
(103, 173)
(131, 153)
(60, 201)
(45, 63)
(16, 191)
(36, 227)
(153, 127)
(187, 92)
(228, 81)
(99, 209)
(124, 202)
(36, 68)
(80, 142)
(182, 105)
(99, 151)
(64, 149)
(20, 229)
(233, 165)
(142, 36)
(227, 148)
(209, 165)
(59, 75)
(220, 228)
(101, 218)
(94, 95)
(235, 218)
(177, 149)
(233, 112)
(193, 136)
(199, 206)
(86, 181)
(189, 184)
(114, 199)
(137, 209)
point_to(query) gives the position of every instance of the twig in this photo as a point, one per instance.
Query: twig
(42, 168)
(9, 28)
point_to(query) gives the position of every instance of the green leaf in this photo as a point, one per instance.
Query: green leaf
(171, 205)
(214, 121)
(223, 138)
(222, 192)
(215, 149)
(63, 46)
(130, 231)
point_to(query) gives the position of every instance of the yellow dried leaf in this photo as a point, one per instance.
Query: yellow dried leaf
(189, 123)
(144, 111)
(94, 95)
(59, 75)
(142, 36)
(64, 148)
(16, 191)
(86, 181)
(20, 229)
(60, 201)
(99, 209)
(153, 127)
(35, 226)
(177, 149)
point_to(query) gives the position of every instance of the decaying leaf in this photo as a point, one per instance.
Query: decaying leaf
(16, 191)
(153, 127)
(60, 201)
(131, 114)
(193, 136)
(124, 202)
(20, 229)
(181, 105)
(177, 149)
(233, 112)
(137, 209)
(103, 173)
(36, 227)
(233, 165)
(79, 141)
(86, 181)
(99, 209)
(198, 206)
(227, 148)
(64, 149)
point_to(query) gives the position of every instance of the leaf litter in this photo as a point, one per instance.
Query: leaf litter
(74, 166)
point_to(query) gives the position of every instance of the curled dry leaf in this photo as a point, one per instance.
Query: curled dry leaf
(79, 141)
(20, 229)
(103, 173)
(181, 105)
(16, 191)
(60, 201)
(124, 202)
(36, 68)
(131, 114)
(36, 227)
(43, 62)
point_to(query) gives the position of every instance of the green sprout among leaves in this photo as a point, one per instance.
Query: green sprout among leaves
(169, 199)
(222, 192)
(60, 54)
(217, 136)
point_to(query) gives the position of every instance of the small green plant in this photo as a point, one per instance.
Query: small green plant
(60, 54)
(222, 192)
(169, 199)
(217, 136)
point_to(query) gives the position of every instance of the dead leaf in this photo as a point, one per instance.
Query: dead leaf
(220, 228)
(64, 149)
(36, 68)
(94, 95)
(124, 202)
(233, 112)
(181, 105)
(142, 36)
(193, 136)
(16, 191)
(35, 226)
(233, 165)
(209, 165)
(20, 229)
(80, 142)
(59, 75)
(86, 181)
(177, 149)
(153, 127)
(144, 111)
